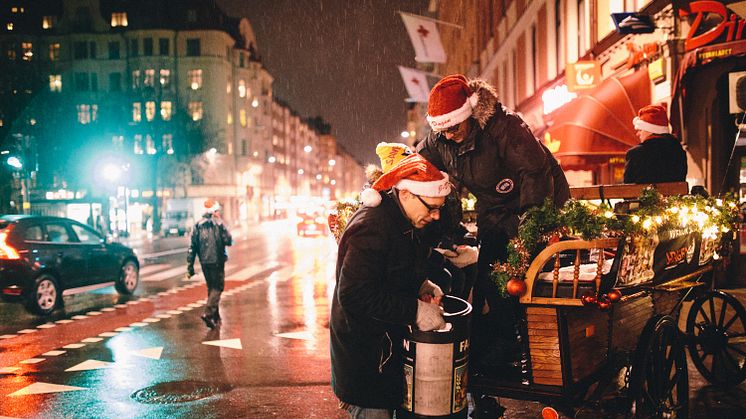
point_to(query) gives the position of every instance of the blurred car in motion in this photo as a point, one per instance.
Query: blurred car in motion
(42, 258)
(311, 222)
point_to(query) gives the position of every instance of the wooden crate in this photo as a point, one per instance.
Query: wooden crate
(544, 346)
(628, 318)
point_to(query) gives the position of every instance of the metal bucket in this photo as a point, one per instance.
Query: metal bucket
(436, 366)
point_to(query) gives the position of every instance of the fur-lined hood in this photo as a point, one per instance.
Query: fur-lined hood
(486, 101)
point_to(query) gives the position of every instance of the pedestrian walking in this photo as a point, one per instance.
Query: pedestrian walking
(209, 239)
(380, 275)
(659, 157)
(490, 151)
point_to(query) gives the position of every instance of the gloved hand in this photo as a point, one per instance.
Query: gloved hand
(430, 292)
(429, 316)
(467, 255)
(190, 271)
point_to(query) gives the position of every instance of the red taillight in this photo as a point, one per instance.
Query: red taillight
(14, 291)
(6, 250)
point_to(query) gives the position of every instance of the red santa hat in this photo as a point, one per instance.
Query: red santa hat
(451, 102)
(211, 205)
(412, 173)
(652, 118)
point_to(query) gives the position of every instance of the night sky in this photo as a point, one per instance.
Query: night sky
(337, 59)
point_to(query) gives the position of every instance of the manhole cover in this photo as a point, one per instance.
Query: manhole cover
(173, 392)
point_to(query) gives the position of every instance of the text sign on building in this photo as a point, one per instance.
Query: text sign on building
(730, 28)
(582, 75)
(627, 23)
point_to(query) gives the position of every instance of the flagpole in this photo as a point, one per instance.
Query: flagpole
(443, 22)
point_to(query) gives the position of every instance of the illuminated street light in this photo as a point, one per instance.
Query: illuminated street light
(15, 162)
(111, 172)
(271, 159)
(332, 162)
(318, 177)
(405, 134)
(300, 171)
(254, 103)
(307, 149)
(333, 182)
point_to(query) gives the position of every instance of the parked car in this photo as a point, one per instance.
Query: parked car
(311, 222)
(42, 258)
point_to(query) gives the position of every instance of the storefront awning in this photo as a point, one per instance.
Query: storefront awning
(596, 127)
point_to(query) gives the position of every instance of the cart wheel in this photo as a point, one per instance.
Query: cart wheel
(715, 327)
(659, 380)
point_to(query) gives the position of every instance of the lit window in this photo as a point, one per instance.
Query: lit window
(149, 144)
(241, 88)
(229, 118)
(118, 19)
(28, 50)
(47, 22)
(94, 112)
(136, 112)
(195, 78)
(55, 83)
(9, 26)
(166, 110)
(149, 80)
(138, 144)
(168, 143)
(242, 117)
(54, 52)
(228, 87)
(117, 141)
(149, 110)
(84, 114)
(11, 53)
(195, 110)
(165, 78)
(135, 79)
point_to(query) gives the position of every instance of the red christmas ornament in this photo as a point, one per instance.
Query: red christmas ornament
(516, 287)
(554, 238)
(614, 295)
(604, 303)
(588, 298)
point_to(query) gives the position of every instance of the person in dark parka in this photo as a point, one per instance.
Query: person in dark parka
(379, 271)
(659, 157)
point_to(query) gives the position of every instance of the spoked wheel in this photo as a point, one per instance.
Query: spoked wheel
(659, 380)
(128, 278)
(716, 327)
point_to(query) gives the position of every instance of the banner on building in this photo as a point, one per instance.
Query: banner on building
(425, 38)
(416, 83)
(582, 75)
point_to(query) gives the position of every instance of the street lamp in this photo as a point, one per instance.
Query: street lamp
(15, 162)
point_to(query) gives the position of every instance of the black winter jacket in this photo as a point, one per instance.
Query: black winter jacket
(209, 238)
(500, 162)
(660, 158)
(379, 267)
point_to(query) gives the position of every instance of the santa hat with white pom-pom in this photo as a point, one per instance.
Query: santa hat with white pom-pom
(412, 173)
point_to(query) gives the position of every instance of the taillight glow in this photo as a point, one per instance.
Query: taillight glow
(6, 250)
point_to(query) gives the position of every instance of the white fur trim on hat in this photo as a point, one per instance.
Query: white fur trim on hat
(647, 126)
(431, 189)
(370, 197)
(457, 116)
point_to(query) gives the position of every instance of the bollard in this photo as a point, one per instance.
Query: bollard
(436, 366)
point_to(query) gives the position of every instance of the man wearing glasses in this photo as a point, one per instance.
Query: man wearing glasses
(490, 150)
(380, 275)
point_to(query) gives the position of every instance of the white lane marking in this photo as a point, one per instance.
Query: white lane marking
(160, 276)
(108, 309)
(305, 335)
(108, 334)
(148, 269)
(138, 324)
(120, 305)
(42, 388)
(53, 353)
(131, 303)
(74, 346)
(64, 321)
(226, 343)
(185, 308)
(27, 331)
(246, 273)
(151, 320)
(152, 353)
(123, 329)
(164, 316)
(90, 364)
(174, 312)
(7, 336)
(79, 317)
(9, 370)
(46, 326)
(32, 361)
(93, 313)
(165, 253)
(92, 340)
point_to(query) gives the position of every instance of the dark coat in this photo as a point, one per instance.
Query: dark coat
(660, 158)
(209, 238)
(501, 162)
(378, 279)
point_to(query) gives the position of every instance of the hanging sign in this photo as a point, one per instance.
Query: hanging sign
(582, 75)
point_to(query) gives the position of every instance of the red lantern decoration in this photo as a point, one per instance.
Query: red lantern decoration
(614, 295)
(588, 298)
(604, 303)
(516, 287)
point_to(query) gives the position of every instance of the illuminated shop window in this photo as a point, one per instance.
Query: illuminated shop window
(195, 78)
(195, 110)
(165, 77)
(136, 112)
(55, 83)
(149, 79)
(138, 144)
(28, 50)
(118, 19)
(168, 143)
(149, 110)
(166, 110)
(241, 88)
(54, 52)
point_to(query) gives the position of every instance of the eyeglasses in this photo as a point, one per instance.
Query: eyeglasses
(451, 130)
(432, 209)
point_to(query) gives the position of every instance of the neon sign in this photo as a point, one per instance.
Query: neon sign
(733, 23)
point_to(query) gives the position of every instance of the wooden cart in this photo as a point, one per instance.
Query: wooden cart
(575, 356)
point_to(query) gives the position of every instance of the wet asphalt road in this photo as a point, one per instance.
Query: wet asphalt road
(149, 355)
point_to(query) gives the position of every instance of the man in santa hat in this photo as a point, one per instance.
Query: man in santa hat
(490, 150)
(208, 242)
(380, 267)
(659, 157)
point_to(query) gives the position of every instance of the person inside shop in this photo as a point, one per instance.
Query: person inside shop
(490, 151)
(381, 289)
(209, 239)
(659, 157)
